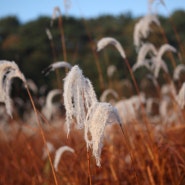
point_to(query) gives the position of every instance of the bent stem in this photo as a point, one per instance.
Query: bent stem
(132, 76)
(42, 134)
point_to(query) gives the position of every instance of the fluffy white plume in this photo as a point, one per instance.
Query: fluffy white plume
(142, 28)
(55, 66)
(168, 90)
(48, 147)
(181, 96)
(98, 116)
(150, 3)
(81, 105)
(54, 15)
(106, 92)
(141, 61)
(158, 62)
(78, 95)
(31, 85)
(178, 70)
(49, 107)
(102, 43)
(164, 48)
(111, 70)
(49, 35)
(128, 109)
(8, 71)
(59, 153)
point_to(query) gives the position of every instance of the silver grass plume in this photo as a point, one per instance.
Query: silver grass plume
(79, 96)
(48, 147)
(8, 71)
(54, 15)
(164, 48)
(180, 98)
(178, 70)
(98, 116)
(102, 43)
(158, 62)
(83, 107)
(49, 107)
(141, 59)
(49, 35)
(111, 69)
(142, 29)
(58, 154)
(31, 85)
(55, 66)
(151, 2)
(106, 92)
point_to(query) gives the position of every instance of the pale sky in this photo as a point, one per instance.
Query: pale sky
(27, 10)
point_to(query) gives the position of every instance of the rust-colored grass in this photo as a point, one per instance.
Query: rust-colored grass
(158, 156)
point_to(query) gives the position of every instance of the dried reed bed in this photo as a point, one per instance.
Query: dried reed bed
(152, 156)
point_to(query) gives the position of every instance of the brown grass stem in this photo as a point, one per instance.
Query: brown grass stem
(151, 179)
(92, 45)
(54, 60)
(129, 148)
(42, 134)
(89, 168)
(62, 37)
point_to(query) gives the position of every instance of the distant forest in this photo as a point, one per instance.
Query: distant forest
(29, 46)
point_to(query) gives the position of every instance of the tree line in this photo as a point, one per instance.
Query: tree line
(29, 46)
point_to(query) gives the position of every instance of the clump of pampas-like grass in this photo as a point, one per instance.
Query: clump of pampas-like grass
(8, 71)
(83, 107)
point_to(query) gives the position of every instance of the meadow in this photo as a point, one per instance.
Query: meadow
(70, 135)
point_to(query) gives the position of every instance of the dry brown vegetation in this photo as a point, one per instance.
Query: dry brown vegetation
(145, 154)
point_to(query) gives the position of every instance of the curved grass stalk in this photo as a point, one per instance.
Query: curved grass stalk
(102, 43)
(106, 92)
(49, 107)
(58, 154)
(56, 65)
(159, 62)
(177, 71)
(55, 11)
(142, 29)
(141, 61)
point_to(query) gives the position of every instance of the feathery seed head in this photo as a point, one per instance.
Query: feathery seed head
(59, 153)
(8, 71)
(98, 116)
(81, 104)
(102, 43)
(55, 66)
(178, 70)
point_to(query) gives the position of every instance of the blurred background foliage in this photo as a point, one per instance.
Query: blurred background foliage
(28, 45)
